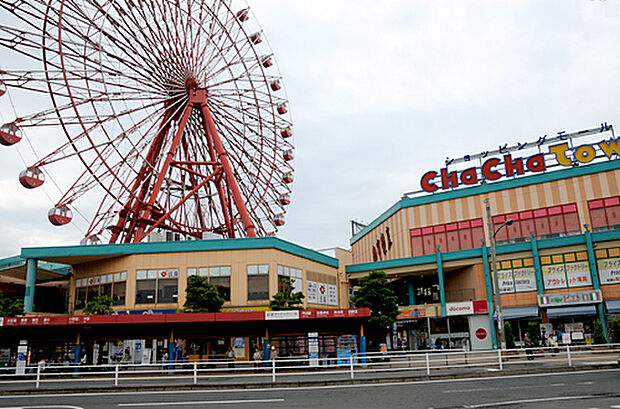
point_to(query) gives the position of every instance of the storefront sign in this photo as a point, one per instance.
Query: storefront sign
(494, 168)
(576, 298)
(460, 308)
(609, 270)
(421, 311)
(481, 333)
(282, 315)
(239, 347)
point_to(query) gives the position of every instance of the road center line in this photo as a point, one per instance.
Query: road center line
(502, 388)
(516, 402)
(204, 402)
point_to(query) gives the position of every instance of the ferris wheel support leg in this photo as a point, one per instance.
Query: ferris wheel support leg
(230, 178)
(164, 171)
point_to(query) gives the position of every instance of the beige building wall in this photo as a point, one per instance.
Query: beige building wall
(237, 259)
(579, 190)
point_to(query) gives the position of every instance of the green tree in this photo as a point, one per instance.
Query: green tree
(533, 331)
(614, 330)
(202, 296)
(11, 306)
(598, 336)
(510, 336)
(101, 305)
(286, 299)
(375, 293)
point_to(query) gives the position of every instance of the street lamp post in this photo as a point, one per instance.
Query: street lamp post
(498, 300)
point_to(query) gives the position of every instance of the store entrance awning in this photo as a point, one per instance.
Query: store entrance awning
(613, 306)
(569, 311)
(512, 313)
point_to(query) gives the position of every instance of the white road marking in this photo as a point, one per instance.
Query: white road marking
(204, 402)
(516, 402)
(585, 383)
(503, 388)
(42, 407)
(615, 407)
(291, 388)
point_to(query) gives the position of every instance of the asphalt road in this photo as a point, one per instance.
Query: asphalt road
(588, 390)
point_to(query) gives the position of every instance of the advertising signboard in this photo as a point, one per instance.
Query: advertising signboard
(576, 298)
(609, 271)
(313, 348)
(460, 308)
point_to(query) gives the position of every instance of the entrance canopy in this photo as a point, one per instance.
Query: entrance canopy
(571, 311)
(512, 313)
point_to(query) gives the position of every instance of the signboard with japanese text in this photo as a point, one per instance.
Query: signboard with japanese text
(575, 298)
(578, 274)
(549, 151)
(506, 281)
(609, 270)
(554, 276)
(525, 279)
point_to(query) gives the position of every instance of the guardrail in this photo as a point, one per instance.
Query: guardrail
(403, 363)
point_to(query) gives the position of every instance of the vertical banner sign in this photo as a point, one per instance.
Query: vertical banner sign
(239, 347)
(313, 348)
(22, 352)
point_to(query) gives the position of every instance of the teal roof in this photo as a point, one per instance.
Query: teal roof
(557, 242)
(487, 188)
(178, 247)
(17, 261)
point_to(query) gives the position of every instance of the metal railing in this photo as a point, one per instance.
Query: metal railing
(301, 368)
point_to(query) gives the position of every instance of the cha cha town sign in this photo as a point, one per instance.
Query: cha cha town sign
(565, 153)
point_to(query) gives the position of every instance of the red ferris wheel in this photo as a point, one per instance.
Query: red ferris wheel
(174, 109)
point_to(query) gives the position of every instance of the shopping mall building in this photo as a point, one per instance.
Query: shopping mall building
(553, 205)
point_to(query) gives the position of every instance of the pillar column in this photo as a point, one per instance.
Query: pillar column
(442, 290)
(595, 281)
(487, 280)
(31, 282)
(411, 291)
(537, 269)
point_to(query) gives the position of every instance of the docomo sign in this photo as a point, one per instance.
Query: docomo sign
(460, 308)
(516, 167)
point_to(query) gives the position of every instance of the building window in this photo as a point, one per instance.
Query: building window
(219, 277)
(293, 274)
(449, 237)
(113, 285)
(157, 286)
(605, 214)
(258, 282)
(557, 221)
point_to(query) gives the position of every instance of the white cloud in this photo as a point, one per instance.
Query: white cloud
(383, 91)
